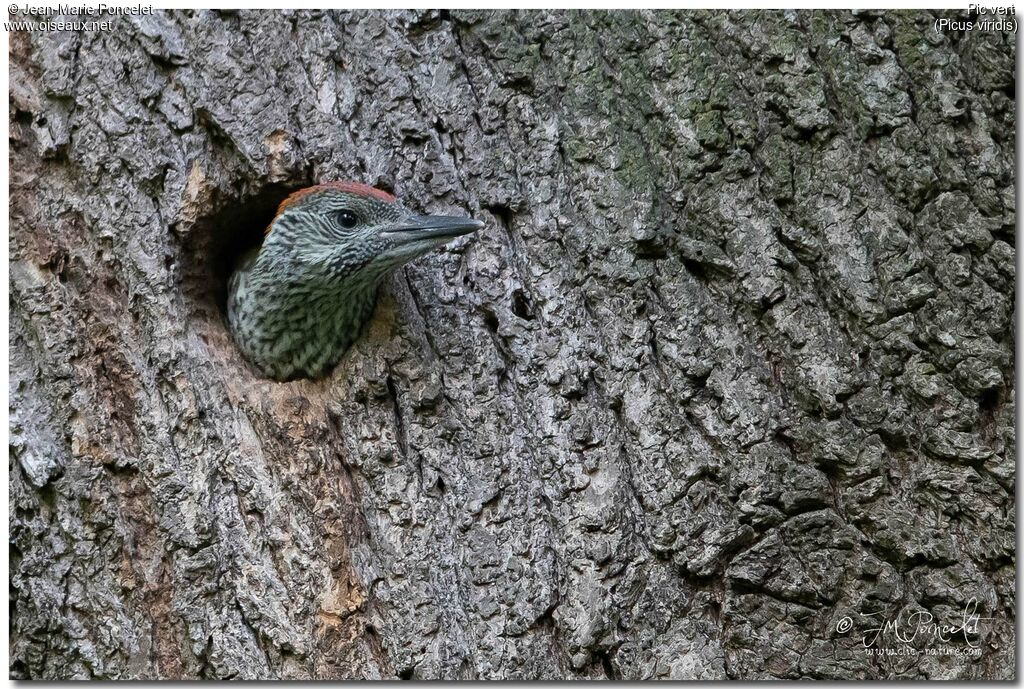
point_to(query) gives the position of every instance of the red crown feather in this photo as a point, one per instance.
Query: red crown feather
(349, 187)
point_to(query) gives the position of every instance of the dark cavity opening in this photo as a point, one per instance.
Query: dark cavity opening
(219, 240)
(521, 305)
(988, 401)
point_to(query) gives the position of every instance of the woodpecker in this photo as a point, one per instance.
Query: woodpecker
(297, 302)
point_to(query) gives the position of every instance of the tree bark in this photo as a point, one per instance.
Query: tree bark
(726, 382)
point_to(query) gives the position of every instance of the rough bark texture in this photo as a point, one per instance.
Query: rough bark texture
(731, 365)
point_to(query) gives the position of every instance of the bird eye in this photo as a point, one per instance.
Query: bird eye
(346, 219)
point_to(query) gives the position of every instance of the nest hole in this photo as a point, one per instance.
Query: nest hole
(219, 241)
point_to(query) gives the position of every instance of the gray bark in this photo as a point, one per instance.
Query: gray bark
(731, 363)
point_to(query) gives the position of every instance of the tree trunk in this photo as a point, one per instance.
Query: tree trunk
(725, 383)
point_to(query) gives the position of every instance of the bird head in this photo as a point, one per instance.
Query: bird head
(346, 229)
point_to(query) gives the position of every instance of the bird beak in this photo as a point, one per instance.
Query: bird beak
(433, 228)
